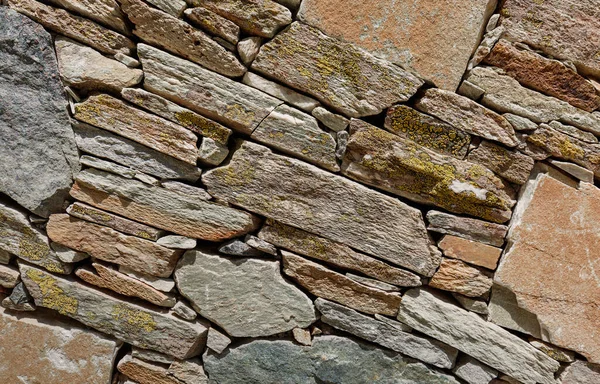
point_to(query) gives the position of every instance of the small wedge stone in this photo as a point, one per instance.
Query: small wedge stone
(473, 372)
(578, 172)
(332, 121)
(281, 92)
(520, 123)
(9, 276)
(214, 24)
(217, 341)
(456, 276)
(186, 190)
(177, 242)
(211, 152)
(107, 166)
(248, 49)
(158, 283)
(172, 7)
(19, 299)
(68, 255)
(144, 372)
(260, 245)
(239, 248)
(472, 304)
(186, 312)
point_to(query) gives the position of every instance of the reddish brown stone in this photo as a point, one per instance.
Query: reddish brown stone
(456, 276)
(470, 251)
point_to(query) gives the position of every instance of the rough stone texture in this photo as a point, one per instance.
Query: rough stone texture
(129, 322)
(339, 74)
(581, 372)
(467, 115)
(38, 153)
(550, 77)
(109, 245)
(174, 35)
(512, 166)
(105, 12)
(456, 276)
(19, 300)
(294, 193)
(484, 341)
(337, 254)
(151, 356)
(560, 262)
(281, 92)
(556, 353)
(260, 245)
(214, 24)
(574, 170)
(188, 371)
(144, 372)
(77, 28)
(108, 166)
(520, 123)
(373, 283)
(186, 190)
(248, 49)
(427, 131)
(217, 341)
(237, 247)
(470, 251)
(9, 276)
(402, 167)
(66, 254)
(472, 229)
(436, 38)
(207, 93)
(247, 298)
(370, 329)
(504, 310)
(332, 121)
(161, 207)
(51, 351)
(472, 304)
(565, 29)
(172, 7)
(330, 359)
(211, 152)
(587, 137)
(298, 134)
(334, 286)
(473, 372)
(111, 114)
(177, 242)
(159, 283)
(261, 18)
(83, 67)
(185, 311)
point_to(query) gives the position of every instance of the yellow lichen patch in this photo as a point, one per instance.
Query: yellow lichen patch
(99, 216)
(203, 126)
(238, 113)
(32, 248)
(53, 296)
(135, 318)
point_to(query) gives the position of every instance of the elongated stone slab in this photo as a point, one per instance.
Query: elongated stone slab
(174, 35)
(472, 229)
(75, 27)
(339, 74)
(299, 135)
(214, 24)
(144, 371)
(472, 252)
(340, 255)
(382, 159)
(467, 115)
(298, 100)
(105, 12)
(510, 165)
(134, 324)
(334, 286)
(301, 195)
(160, 207)
(114, 115)
(467, 332)
(109, 245)
(207, 93)
(456, 276)
(347, 320)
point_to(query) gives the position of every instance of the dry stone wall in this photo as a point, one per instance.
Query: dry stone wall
(316, 191)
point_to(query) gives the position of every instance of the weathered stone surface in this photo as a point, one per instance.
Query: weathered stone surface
(152, 356)
(247, 298)
(340, 255)
(82, 67)
(261, 18)
(467, 115)
(336, 123)
(128, 322)
(109, 245)
(334, 286)
(373, 283)
(186, 190)
(283, 362)
(587, 137)
(260, 244)
(114, 115)
(281, 92)
(547, 76)
(504, 310)
(556, 353)
(9, 276)
(177, 242)
(559, 261)
(456, 276)
(217, 341)
(574, 170)
(211, 152)
(161, 207)
(108, 278)
(75, 27)
(567, 30)
(581, 372)
(484, 341)
(476, 305)
(20, 238)
(520, 123)
(370, 329)
(159, 283)
(5, 257)
(172, 7)
(100, 142)
(188, 371)
(37, 147)
(144, 372)
(505, 94)
(512, 166)
(339, 74)
(214, 24)
(105, 12)
(470, 251)
(127, 60)
(473, 372)
(239, 248)
(49, 351)
(472, 229)
(302, 195)
(185, 311)
(400, 166)
(207, 93)
(19, 299)
(427, 131)
(108, 166)
(248, 49)
(470, 90)
(298, 134)
(435, 38)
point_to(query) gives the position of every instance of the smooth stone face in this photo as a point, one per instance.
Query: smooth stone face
(237, 247)
(177, 242)
(512, 166)
(281, 92)
(47, 350)
(299, 194)
(370, 329)
(172, 7)
(473, 372)
(435, 38)
(332, 121)
(456, 276)
(161, 207)
(470, 251)
(128, 322)
(108, 166)
(160, 284)
(186, 312)
(520, 123)
(217, 341)
(559, 261)
(465, 227)
(248, 49)
(574, 170)
(339, 74)
(214, 24)
(581, 372)
(404, 168)
(283, 362)
(247, 298)
(484, 341)
(37, 147)
(504, 310)
(205, 92)
(472, 304)
(373, 283)
(105, 12)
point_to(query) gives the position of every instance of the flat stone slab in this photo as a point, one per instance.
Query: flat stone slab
(456, 276)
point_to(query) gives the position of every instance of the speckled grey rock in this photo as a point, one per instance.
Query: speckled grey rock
(473, 372)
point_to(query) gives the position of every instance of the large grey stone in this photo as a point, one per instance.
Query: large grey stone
(246, 297)
(581, 372)
(38, 152)
(473, 372)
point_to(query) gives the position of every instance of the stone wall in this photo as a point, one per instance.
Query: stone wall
(316, 191)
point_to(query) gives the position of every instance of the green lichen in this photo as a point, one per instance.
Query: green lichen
(134, 318)
(53, 296)
(203, 126)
